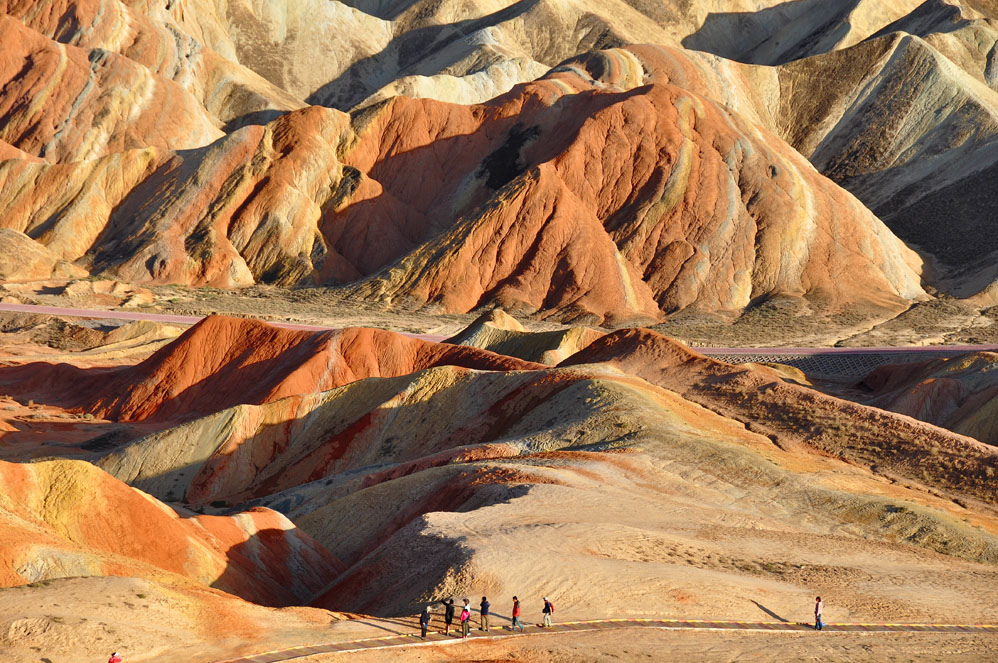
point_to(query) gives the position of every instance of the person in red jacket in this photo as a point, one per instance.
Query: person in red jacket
(516, 615)
(115, 658)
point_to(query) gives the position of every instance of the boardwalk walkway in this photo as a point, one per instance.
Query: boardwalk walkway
(411, 639)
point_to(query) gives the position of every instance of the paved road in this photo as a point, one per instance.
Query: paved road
(412, 639)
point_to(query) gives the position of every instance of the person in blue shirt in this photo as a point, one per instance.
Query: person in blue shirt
(484, 605)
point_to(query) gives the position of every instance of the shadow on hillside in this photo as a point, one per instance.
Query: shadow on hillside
(278, 568)
(372, 234)
(739, 35)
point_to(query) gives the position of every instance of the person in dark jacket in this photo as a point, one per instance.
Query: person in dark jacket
(548, 611)
(448, 615)
(484, 605)
(424, 621)
(516, 615)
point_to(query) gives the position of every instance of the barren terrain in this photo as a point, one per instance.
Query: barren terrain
(444, 276)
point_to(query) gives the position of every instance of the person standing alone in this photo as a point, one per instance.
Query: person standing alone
(484, 605)
(818, 607)
(548, 611)
(516, 615)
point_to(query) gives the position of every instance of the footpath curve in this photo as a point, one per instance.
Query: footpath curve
(436, 638)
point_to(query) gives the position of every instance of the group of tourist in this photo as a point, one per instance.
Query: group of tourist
(484, 610)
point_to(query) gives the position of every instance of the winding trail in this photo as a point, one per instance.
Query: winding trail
(435, 638)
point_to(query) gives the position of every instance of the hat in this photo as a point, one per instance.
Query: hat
(545, 598)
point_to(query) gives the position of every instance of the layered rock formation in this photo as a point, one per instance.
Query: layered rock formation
(316, 196)
(222, 362)
(631, 212)
(906, 122)
(497, 331)
(47, 533)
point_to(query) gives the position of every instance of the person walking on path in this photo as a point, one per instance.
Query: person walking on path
(115, 658)
(516, 615)
(424, 621)
(448, 615)
(548, 611)
(484, 605)
(466, 619)
(818, 606)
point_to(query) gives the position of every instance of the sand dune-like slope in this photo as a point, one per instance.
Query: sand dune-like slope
(222, 362)
(673, 484)
(68, 518)
(87, 618)
(793, 415)
(636, 459)
(452, 482)
(958, 393)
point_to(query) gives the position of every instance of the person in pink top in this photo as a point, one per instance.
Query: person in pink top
(115, 658)
(818, 607)
(466, 618)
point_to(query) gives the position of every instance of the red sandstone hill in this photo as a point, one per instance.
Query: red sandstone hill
(563, 205)
(68, 518)
(565, 197)
(221, 362)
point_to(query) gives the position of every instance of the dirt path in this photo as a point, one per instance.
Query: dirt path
(436, 638)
